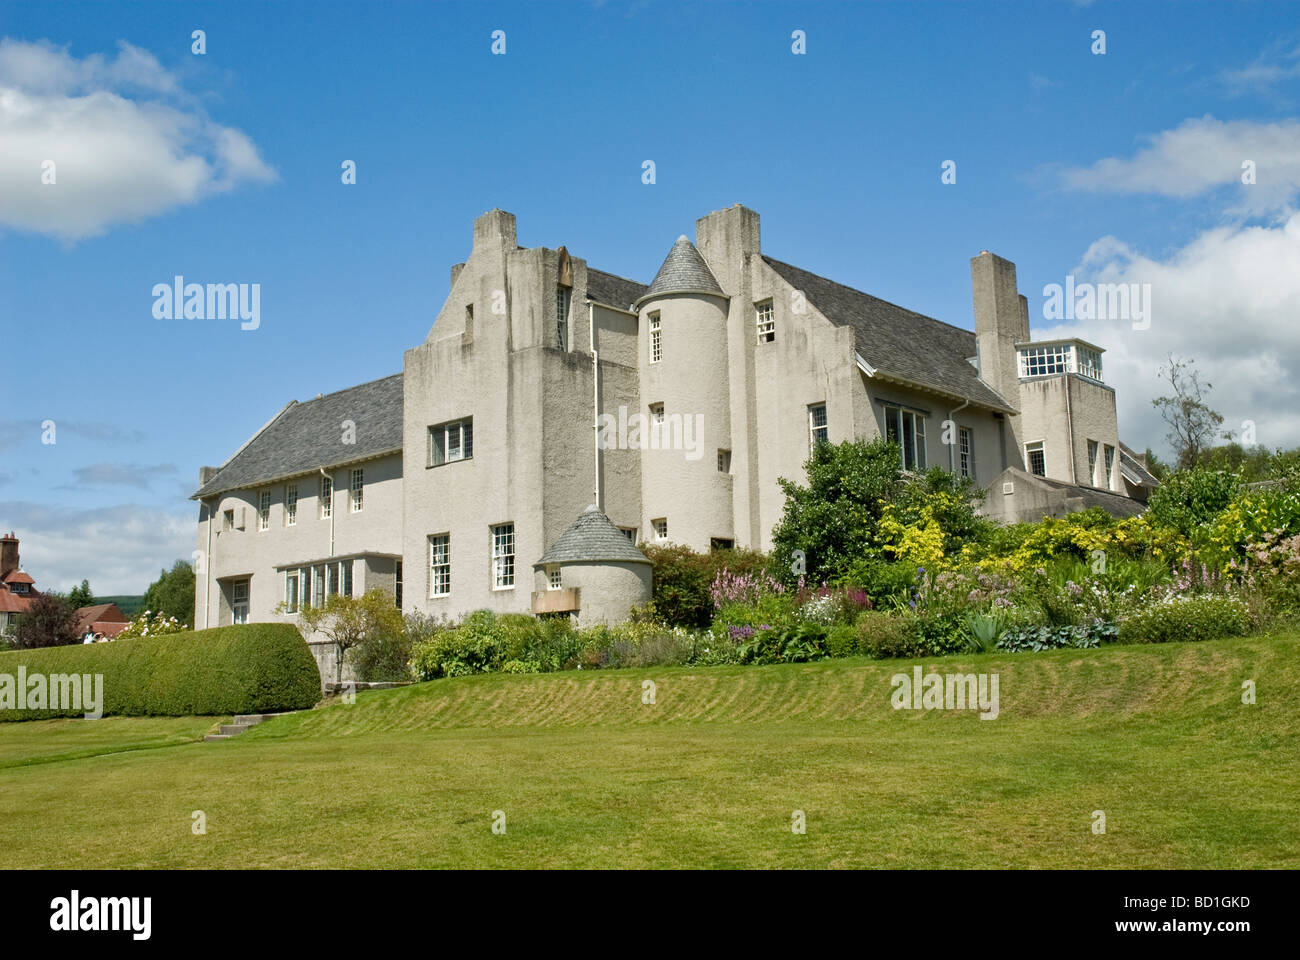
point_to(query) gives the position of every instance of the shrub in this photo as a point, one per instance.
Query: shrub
(792, 644)
(1186, 618)
(50, 621)
(160, 625)
(1189, 498)
(883, 636)
(682, 579)
(1053, 638)
(842, 641)
(252, 668)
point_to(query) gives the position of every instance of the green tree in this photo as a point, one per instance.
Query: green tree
(50, 621)
(173, 593)
(351, 621)
(1186, 499)
(81, 596)
(1193, 426)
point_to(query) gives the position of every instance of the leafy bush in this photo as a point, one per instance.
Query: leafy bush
(682, 580)
(792, 644)
(1186, 618)
(1053, 638)
(884, 635)
(160, 625)
(1189, 498)
(252, 668)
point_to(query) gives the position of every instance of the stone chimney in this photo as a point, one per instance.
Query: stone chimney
(725, 238)
(206, 474)
(1001, 319)
(8, 555)
(496, 227)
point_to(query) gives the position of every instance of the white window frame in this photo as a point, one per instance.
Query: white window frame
(292, 595)
(815, 428)
(503, 556)
(439, 565)
(765, 321)
(239, 604)
(1093, 450)
(291, 504)
(553, 577)
(656, 338)
(1039, 447)
(1108, 453)
(966, 452)
(660, 527)
(451, 442)
(357, 489)
(563, 299)
(263, 510)
(326, 497)
(912, 455)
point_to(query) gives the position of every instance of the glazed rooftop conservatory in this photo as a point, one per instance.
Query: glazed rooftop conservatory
(1052, 357)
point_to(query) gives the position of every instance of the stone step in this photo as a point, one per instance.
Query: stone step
(252, 719)
(233, 729)
(215, 736)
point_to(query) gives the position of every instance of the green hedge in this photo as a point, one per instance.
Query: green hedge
(253, 668)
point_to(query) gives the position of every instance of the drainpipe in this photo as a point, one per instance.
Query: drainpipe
(952, 447)
(331, 480)
(595, 399)
(1069, 430)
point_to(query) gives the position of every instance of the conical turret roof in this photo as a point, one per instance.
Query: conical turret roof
(683, 271)
(593, 538)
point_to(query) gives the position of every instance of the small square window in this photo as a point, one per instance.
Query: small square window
(1036, 459)
(724, 461)
(553, 577)
(660, 528)
(449, 442)
(721, 543)
(630, 533)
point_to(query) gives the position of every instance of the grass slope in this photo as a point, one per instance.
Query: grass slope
(587, 775)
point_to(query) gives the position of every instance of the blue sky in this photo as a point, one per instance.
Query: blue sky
(1122, 166)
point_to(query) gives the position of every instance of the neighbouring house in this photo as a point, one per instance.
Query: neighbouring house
(103, 621)
(17, 588)
(552, 402)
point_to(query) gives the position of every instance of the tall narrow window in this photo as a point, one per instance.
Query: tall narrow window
(766, 321)
(318, 583)
(264, 510)
(440, 565)
(907, 429)
(331, 579)
(1092, 462)
(290, 504)
(304, 585)
(562, 297)
(818, 429)
(1036, 459)
(1110, 467)
(239, 601)
(228, 521)
(291, 591)
(656, 339)
(449, 442)
(358, 489)
(397, 585)
(503, 556)
(345, 567)
(326, 497)
(966, 451)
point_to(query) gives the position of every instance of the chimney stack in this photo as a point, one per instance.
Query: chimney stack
(1001, 319)
(8, 555)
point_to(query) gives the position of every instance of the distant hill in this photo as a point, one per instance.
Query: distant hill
(128, 605)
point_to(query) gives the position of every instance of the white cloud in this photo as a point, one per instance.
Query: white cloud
(117, 159)
(118, 549)
(1203, 155)
(1279, 63)
(121, 474)
(1230, 299)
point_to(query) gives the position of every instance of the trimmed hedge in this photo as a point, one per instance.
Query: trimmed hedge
(251, 668)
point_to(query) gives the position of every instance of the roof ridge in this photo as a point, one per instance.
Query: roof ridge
(616, 276)
(355, 386)
(863, 293)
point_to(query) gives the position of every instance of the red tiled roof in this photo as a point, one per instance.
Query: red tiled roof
(15, 602)
(18, 576)
(108, 628)
(89, 618)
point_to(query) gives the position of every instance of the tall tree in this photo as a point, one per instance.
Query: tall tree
(1192, 424)
(50, 621)
(81, 596)
(173, 593)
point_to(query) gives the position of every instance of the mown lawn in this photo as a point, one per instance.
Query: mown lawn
(589, 776)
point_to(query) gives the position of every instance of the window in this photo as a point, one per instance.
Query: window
(290, 504)
(1036, 459)
(264, 510)
(357, 489)
(318, 583)
(397, 585)
(449, 442)
(239, 601)
(331, 579)
(630, 533)
(562, 296)
(657, 414)
(660, 528)
(724, 461)
(1042, 361)
(345, 566)
(907, 429)
(1088, 361)
(656, 339)
(440, 565)
(721, 543)
(304, 585)
(291, 591)
(818, 431)
(966, 452)
(1092, 462)
(1110, 466)
(326, 497)
(228, 521)
(553, 577)
(503, 556)
(766, 321)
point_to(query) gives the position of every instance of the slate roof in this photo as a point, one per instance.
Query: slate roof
(1116, 504)
(683, 271)
(593, 538)
(1131, 466)
(611, 290)
(901, 344)
(306, 436)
